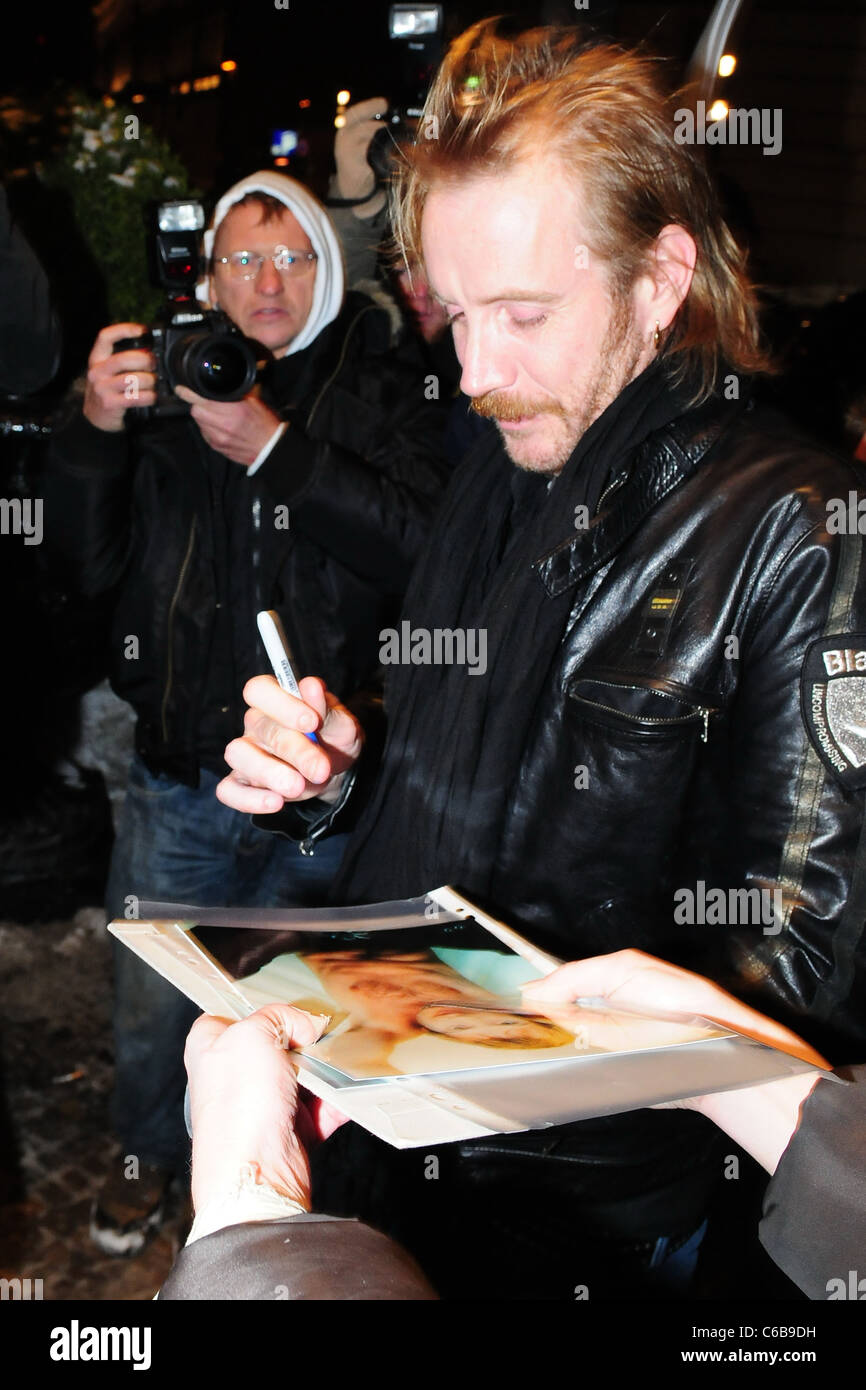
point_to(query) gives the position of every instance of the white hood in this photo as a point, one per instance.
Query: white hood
(330, 277)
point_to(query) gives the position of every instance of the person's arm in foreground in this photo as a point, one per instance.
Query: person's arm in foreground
(253, 1235)
(809, 1132)
(760, 1118)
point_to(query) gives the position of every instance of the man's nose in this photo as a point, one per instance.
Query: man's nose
(269, 280)
(483, 359)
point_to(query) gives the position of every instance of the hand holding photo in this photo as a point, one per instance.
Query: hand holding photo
(429, 1038)
(449, 1007)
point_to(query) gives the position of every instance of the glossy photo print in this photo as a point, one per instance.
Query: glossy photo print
(399, 1011)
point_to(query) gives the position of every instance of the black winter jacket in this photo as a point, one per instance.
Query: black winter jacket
(336, 515)
(714, 606)
(697, 772)
(690, 686)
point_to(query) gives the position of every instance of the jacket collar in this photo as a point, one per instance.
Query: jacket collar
(662, 463)
(296, 382)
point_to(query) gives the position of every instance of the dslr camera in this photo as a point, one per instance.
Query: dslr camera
(194, 347)
(418, 31)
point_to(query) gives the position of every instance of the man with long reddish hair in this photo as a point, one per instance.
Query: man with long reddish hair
(651, 758)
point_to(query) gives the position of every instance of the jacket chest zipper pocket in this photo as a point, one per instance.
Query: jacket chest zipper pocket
(696, 714)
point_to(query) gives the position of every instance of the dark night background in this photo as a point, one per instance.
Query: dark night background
(802, 214)
(803, 209)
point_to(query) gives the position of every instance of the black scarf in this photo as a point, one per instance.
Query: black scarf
(456, 740)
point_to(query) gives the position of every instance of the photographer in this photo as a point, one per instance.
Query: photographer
(311, 495)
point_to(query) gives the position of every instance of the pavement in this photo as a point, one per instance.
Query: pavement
(55, 1082)
(55, 1007)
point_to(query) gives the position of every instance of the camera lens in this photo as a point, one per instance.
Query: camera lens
(215, 365)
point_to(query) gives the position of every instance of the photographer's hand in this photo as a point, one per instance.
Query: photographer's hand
(237, 429)
(117, 382)
(355, 178)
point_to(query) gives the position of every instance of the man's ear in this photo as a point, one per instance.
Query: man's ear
(206, 294)
(660, 291)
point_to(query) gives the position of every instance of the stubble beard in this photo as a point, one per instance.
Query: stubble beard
(620, 358)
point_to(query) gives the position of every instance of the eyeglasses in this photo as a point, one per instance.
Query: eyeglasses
(245, 265)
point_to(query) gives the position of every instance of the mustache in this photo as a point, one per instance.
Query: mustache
(496, 405)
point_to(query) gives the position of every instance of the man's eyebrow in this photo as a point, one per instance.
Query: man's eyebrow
(511, 295)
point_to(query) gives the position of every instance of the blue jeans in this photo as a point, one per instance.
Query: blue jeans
(675, 1270)
(180, 843)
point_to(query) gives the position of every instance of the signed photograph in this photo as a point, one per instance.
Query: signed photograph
(421, 1009)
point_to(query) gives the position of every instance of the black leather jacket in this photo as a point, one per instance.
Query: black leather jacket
(669, 757)
(661, 756)
(335, 517)
(710, 588)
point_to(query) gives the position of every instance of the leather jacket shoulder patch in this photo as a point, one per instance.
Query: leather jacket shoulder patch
(833, 698)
